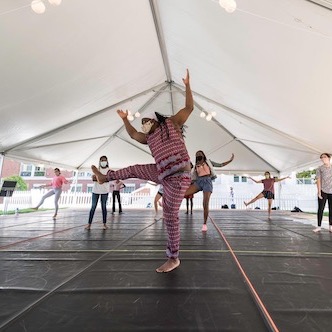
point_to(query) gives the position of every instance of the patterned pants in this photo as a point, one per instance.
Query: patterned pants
(174, 188)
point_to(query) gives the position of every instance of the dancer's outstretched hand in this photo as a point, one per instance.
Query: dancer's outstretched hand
(122, 114)
(186, 80)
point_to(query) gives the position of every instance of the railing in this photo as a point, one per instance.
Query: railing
(28, 199)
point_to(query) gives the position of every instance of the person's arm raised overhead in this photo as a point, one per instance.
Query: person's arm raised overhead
(181, 117)
(133, 133)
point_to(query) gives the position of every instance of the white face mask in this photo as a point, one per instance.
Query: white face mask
(103, 163)
(146, 127)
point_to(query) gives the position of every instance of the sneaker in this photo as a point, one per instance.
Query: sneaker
(204, 228)
(316, 230)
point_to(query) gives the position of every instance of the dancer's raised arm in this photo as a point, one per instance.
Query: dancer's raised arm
(133, 133)
(181, 117)
(215, 164)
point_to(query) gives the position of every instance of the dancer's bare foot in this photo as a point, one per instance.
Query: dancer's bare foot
(169, 265)
(54, 217)
(105, 227)
(317, 230)
(101, 178)
(88, 227)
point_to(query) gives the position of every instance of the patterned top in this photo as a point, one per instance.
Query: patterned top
(325, 175)
(269, 185)
(170, 153)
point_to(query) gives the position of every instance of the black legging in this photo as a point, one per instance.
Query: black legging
(321, 207)
(116, 193)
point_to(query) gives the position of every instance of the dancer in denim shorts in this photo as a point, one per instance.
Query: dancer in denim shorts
(203, 174)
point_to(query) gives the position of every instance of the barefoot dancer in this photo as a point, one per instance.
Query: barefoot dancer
(268, 191)
(172, 167)
(101, 190)
(56, 184)
(203, 175)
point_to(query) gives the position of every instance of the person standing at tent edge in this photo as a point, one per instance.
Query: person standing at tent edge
(172, 168)
(324, 190)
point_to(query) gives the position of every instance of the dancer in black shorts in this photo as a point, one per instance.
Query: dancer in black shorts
(268, 191)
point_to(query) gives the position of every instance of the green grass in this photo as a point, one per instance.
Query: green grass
(326, 214)
(22, 211)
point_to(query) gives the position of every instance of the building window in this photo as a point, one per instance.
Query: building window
(39, 171)
(26, 170)
(89, 188)
(238, 178)
(78, 188)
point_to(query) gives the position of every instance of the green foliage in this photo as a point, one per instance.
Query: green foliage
(305, 174)
(21, 184)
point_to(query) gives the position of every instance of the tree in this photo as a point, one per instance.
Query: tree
(21, 184)
(306, 174)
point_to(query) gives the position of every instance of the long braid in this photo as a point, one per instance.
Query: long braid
(162, 120)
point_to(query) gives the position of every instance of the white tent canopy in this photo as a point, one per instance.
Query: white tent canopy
(265, 70)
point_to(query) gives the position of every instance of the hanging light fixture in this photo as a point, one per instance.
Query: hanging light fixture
(202, 115)
(55, 2)
(38, 6)
(130, 117)
(228, 5)
(208, 117)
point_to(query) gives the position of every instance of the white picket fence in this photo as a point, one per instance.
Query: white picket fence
(28, 199)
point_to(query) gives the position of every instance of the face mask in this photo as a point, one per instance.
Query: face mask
(146, 127)
(199, 158)
(103, 163)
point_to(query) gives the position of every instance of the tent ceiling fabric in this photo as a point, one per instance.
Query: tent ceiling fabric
(265, 70)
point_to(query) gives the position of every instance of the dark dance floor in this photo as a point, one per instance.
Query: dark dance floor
(245, 274)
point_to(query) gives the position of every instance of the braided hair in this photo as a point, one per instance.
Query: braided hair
(162, 121)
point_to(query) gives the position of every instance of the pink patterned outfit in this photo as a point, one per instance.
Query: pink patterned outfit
(170, 153)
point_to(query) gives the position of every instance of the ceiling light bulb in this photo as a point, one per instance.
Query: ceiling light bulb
(208, 117)
(130, 117)
(55, 2)
(213, 113)
(202, 115)
(38, 6)
(230, 6)
(223, 3)
(137, 114)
